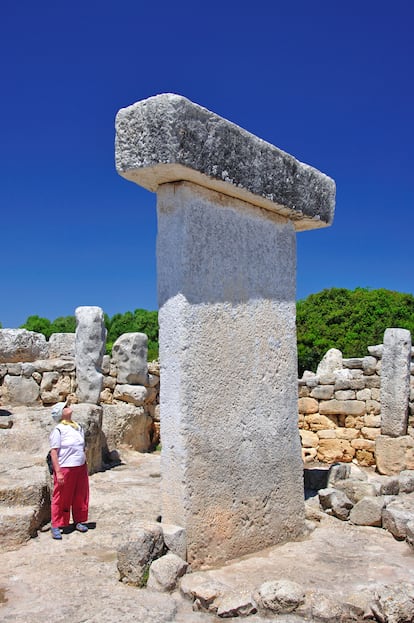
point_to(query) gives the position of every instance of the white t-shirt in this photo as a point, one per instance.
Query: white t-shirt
(70, 444)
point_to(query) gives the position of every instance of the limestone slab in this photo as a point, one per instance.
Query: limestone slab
(168, 138)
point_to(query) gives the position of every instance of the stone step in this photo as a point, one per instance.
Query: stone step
(23, 485)
(18, 524)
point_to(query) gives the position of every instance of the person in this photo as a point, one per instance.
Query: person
(70, 472)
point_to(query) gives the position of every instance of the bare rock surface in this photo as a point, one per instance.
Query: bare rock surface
(76, 580)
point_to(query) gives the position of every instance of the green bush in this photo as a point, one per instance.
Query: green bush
(350, 320)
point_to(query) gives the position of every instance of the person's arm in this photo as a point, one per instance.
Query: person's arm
(56, 467)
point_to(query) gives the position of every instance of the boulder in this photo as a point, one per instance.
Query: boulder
(330, 362)
(397, 515)
(394, 604)
(126, 424)
(279, 596)
(135, 557)
(19, 390)
(335, 501)
(137, 395)
(394, 455)
(236, 604)
(165, 572)
(90, 348)
(18, 345)
(406, 481)
(129, 353)
(367, 512)
(175, 539)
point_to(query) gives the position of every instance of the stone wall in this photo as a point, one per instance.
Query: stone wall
(340, 409)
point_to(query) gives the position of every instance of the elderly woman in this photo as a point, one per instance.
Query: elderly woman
(70, 472)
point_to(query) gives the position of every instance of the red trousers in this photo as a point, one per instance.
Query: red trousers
(73, 494)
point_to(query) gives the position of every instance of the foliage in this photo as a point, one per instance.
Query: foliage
(141, 321)
(350, 320)
(39, 325)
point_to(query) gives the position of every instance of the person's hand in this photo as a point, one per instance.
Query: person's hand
(60, 478)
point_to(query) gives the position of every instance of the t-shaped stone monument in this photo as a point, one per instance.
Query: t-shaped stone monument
(228, 206)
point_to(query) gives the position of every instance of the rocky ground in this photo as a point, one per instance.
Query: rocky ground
(76, 580)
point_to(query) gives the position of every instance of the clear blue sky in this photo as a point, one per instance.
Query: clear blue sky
(330, 82)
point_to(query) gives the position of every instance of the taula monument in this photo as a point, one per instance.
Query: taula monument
(229, 205)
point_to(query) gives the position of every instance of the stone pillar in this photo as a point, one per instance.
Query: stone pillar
(90, 343)
(395, 382)
(228, 207)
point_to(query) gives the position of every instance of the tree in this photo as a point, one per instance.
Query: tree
(39, 325)
(139, 321)
(64, 324)
(350, 320)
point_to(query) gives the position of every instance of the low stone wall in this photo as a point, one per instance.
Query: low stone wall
(339, 410)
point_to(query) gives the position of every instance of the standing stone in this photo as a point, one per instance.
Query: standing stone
(395, 382)
(228, 206)
(90, 349)
(129, 353)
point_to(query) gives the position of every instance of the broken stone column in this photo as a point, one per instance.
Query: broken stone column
(395, 382)
(89, 351)
(228, 206)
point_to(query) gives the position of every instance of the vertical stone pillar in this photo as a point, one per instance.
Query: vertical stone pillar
(228, 207)
(395, 382)
(90, 343)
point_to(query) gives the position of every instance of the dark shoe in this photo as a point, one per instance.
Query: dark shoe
(56, 534)
(80, 527)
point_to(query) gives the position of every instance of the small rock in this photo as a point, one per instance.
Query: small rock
(337, 501)
(165, 572)
(280, 596)
(367, 512)
(135, 557)
(406, 481)
(235, 604)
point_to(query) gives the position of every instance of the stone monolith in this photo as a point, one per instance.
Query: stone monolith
(395, 382)
(228, 207)
(89, 351)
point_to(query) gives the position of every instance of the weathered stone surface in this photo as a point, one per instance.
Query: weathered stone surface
(356, 490)
(394, 455)
(330, 362)
(90, 418)
(204, 592)
(236, 604)
(397, 514)
(309, 439)
(390, 485)
(175, 539)
(126, 424)
(318, 422)
(129, 353)
(135, 556)
(337, 501)
(332, 450)
(345, 394)
(394, 604)
(18, 390)
(395, 382)
(406, 481)
(353, 362)
(308, 405)
(367, 512)
(338, 471)
(376, 351)
(342, 407)
(279, 596)
(137, 395)
(55, 387)
(90, 348)
(21, 345)
(62, 345)
(219, 331)
(369, 365)
(165, 572)
(409, 533)
(168, 138)
(322, 392)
